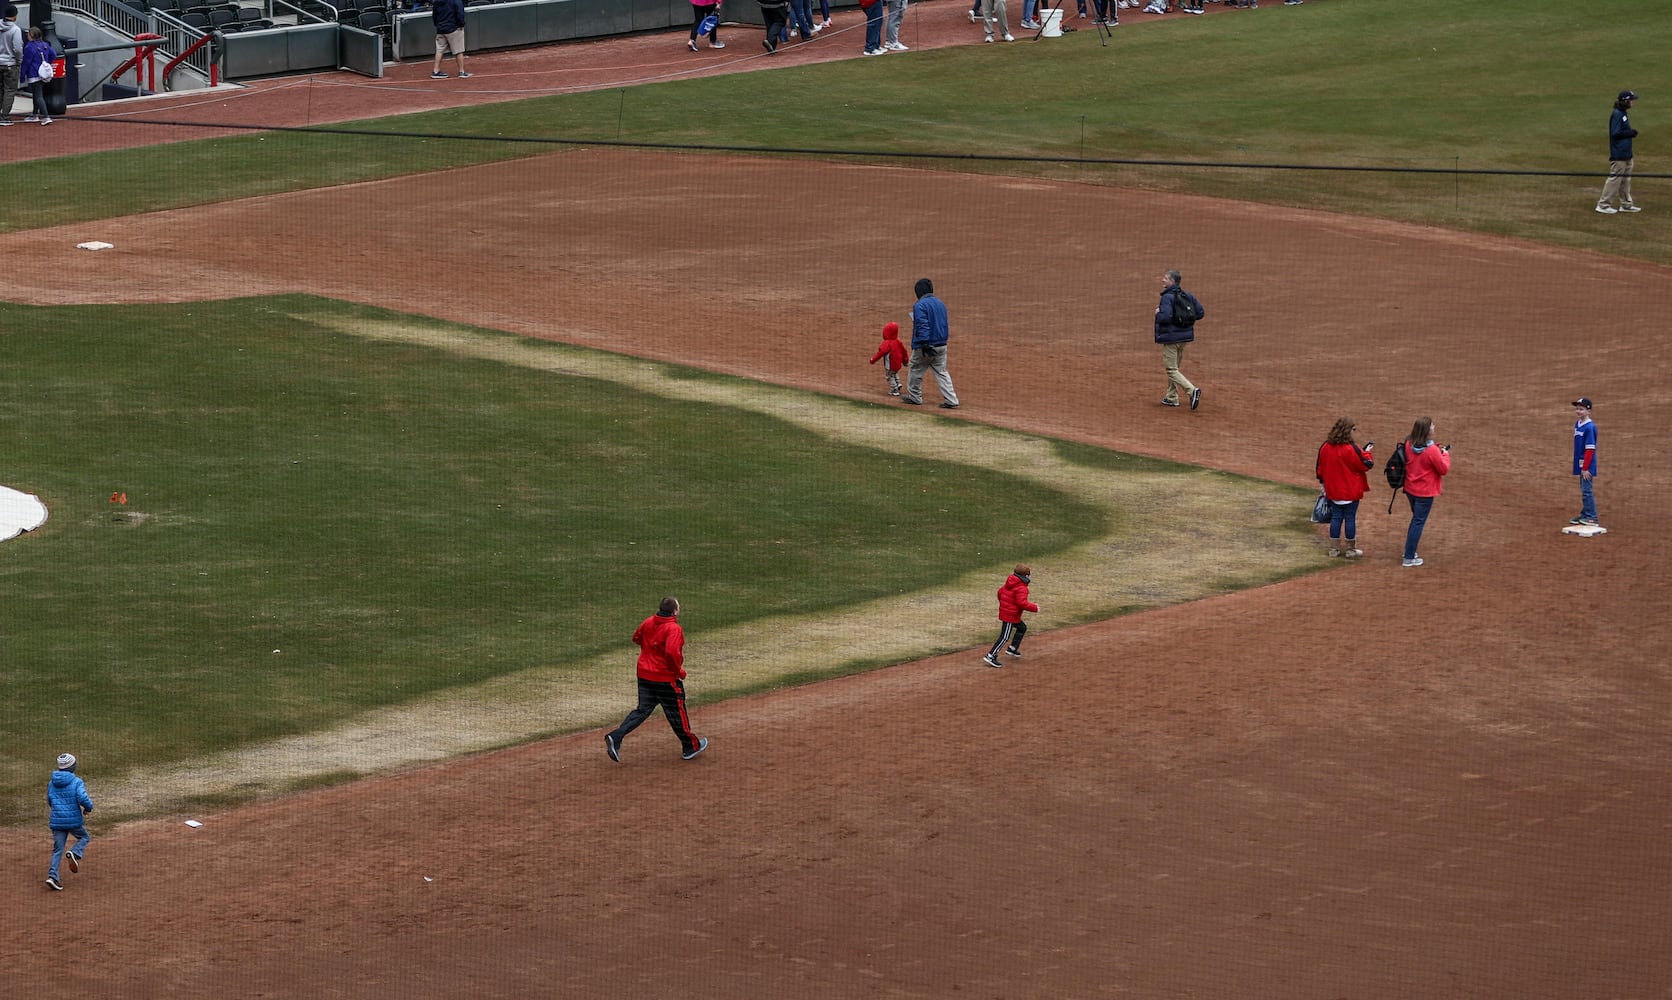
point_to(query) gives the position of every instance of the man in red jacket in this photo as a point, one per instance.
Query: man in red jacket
(1013, 600)
(661, 673)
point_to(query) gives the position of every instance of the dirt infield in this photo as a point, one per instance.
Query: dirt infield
(1375, 782)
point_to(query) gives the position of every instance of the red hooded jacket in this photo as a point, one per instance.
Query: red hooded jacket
(1013, 599)
(661, 645)
(891, 347)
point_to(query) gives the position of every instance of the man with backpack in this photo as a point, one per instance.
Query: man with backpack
(1175, 326)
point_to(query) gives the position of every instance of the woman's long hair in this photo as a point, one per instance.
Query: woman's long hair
(1342, 432)
(1422, 432)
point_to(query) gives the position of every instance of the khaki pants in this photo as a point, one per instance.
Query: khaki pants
(1172, 355)
(1618, 183)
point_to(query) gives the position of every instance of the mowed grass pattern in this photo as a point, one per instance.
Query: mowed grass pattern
(318, 524)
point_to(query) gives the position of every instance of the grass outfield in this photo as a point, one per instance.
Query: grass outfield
(1346, 83)
(342, 516)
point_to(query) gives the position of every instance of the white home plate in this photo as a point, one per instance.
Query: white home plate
(1585, 530)
(19, 512)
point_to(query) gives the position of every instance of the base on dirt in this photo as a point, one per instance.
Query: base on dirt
(1585, 530)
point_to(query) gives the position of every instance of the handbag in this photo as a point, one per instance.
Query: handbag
(1320, 509)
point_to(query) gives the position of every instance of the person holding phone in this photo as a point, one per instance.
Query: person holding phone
(1341, 469)
(1426, 463)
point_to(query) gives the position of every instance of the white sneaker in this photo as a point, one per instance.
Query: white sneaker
(1009, 38)
(973, 18)
(1607, 209)
(1408, 563)
(716, 45)
(988, 38)
(32, 118)
(896, 47)
(46, 121)
(1630, 208)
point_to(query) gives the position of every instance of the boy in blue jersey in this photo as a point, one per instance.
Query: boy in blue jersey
(1585, 460)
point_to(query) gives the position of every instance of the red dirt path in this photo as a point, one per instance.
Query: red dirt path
(1261, 795)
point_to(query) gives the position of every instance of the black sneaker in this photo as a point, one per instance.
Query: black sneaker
(1195, 398)
(702, 744)
(991, 660)
(75, 862)
(910, 401)
(1577, 520)
(1014, 652)
(52, 883)
(612, 748)
(949, 406)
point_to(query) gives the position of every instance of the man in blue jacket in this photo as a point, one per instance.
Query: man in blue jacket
(1172, 339)
(929, 334)
(449, 34)
(1620, 134)
(67, 795)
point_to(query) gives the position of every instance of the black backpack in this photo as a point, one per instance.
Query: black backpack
(1394, 470)
(1186, 310)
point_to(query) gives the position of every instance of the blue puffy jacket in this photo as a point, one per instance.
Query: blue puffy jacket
(67, 795)
(1620, 134)
(928, 322)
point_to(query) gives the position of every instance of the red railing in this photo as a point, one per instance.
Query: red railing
(214, 67)
(143, 63)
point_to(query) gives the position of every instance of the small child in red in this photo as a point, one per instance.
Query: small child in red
(895, 354)
(1013, 600)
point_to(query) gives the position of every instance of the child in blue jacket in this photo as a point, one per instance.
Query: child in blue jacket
(67, 795)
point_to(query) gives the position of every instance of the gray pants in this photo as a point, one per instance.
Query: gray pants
(891, 23)
(929, 359)
(8, 89)
(994, 12)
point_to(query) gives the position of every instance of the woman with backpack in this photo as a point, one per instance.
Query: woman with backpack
(1426, 463)
(1341, 471)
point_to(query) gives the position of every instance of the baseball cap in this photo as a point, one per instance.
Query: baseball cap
(66, 762)
(1584, 401)
(1628, 95)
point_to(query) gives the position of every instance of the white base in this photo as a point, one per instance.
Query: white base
(1584, 530)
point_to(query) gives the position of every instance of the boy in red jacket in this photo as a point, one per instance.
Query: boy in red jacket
(661, 672)
(894, 354)
(1013, 600)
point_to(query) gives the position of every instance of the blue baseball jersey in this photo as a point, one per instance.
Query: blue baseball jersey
(1584, 439)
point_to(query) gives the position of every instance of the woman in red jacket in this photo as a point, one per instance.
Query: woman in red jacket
(1426, 463)
(1342, 465)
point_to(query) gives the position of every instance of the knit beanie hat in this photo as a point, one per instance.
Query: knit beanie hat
(66, 762)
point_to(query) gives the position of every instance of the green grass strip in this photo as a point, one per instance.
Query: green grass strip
(1431, 84)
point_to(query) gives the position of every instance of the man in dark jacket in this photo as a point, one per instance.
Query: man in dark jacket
(1172, 339)
(1620, 134)
(449, 35)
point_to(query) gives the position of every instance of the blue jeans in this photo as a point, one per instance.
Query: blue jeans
(1588, 497)
(801, 18)
(1343, 514)
(58, 838)
(1420, 506)
(873, 27)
